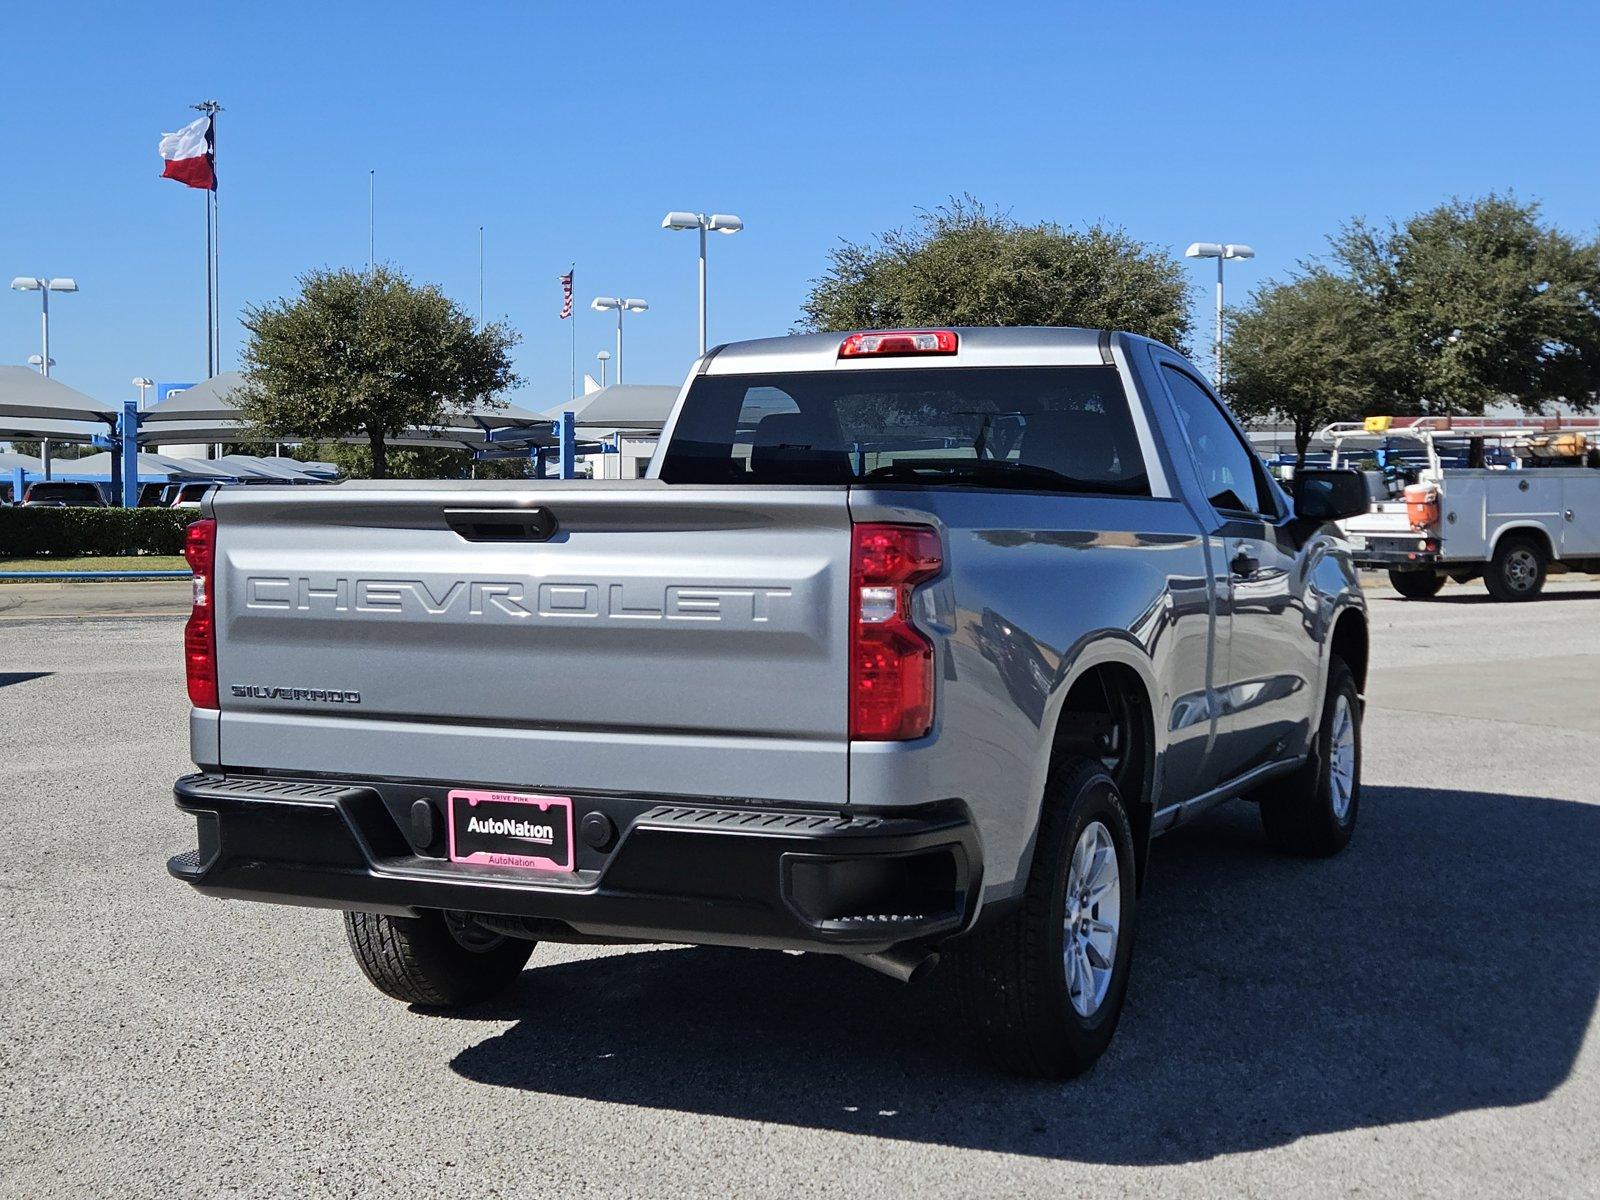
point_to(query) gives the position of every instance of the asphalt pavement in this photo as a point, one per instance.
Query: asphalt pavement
(1413, 1018)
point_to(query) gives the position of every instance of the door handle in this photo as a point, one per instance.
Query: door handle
(1244, 565)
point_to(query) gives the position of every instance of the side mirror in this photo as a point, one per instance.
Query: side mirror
(1327, 494)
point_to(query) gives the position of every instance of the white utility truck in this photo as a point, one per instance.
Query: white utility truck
(1458, 498)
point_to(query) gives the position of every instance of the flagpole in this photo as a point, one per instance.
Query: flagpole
(211, 365)
(213, 288)
(216, 275)
(574, 271)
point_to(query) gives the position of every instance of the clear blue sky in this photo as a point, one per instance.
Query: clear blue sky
(568, 131)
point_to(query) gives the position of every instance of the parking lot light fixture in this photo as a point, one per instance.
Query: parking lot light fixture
(621, 304)
(715, 222)
(1221, 251)
(44, 286)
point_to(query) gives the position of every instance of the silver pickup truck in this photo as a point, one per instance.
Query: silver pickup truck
(909, 644)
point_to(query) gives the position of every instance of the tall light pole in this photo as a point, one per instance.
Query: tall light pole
(622, 305)
(142, 383)
(44, 287)
(718, 222)
(1221, 251)
(603, 357)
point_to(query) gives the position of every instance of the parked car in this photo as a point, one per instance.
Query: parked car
(187, 495)
(54, 493)
(908, 646)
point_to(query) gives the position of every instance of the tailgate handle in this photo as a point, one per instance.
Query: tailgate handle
(502, 524)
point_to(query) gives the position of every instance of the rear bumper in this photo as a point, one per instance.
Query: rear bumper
(712, 872)
(1402, 552)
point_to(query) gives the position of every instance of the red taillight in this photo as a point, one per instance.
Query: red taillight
(891, 661)
(904, 341)
(200, 634)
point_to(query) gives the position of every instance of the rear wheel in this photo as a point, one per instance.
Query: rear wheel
(438, 960)
(1313, 811)
(1518, 568)
(1043, 987)
(1416, 585)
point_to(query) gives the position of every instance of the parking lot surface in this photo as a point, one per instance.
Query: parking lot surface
(1415, 1017)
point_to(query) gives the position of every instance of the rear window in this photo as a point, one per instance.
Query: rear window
(1035, 428)
(66, 493)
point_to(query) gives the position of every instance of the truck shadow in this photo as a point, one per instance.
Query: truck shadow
(1448, 961)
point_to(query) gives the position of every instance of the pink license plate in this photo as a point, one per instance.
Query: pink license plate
(510, 829)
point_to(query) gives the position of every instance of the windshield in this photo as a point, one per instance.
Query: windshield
(1032, 428)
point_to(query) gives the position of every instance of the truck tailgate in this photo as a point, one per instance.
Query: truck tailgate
(1386, 518)
(662, 639)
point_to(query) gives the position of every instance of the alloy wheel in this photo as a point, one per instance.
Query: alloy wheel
(1342, 758)
(1093, 918)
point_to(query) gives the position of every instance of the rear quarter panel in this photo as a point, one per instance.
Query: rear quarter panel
(1036, 590)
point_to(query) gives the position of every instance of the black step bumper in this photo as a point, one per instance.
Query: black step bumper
(1404, 552)
(711, 873)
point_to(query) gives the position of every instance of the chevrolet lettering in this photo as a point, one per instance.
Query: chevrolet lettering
(569, 599)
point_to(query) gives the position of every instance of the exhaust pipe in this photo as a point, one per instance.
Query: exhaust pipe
(907, 964)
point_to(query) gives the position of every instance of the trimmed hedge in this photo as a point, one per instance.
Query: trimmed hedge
(70, 532)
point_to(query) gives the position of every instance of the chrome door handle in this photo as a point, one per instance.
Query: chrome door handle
(1244, 565)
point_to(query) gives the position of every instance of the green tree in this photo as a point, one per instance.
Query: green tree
(360, 354)
(1478, 301)
(963, 264)
(61, 450)
(1303, 352)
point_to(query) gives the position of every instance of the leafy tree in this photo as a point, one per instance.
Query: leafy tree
(1304, 353)
(962, 264)
(58, 450)
(1480, 300)
(366, 354)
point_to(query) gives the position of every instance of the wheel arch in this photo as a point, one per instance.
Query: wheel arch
(1350, 642)
(1112, 683)
(1523, 529)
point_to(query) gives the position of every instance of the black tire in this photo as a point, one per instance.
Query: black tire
(1518, 568)
(1011, 978)
(419, 960)
(1300, 812)
(1415, 585)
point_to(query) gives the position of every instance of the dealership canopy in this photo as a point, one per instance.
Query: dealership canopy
(620, 408)
(27, 398)
(210, 412)
(151, 466)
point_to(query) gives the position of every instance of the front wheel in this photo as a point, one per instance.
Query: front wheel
(1416, 585)
(1313, 810)
(437, 960)
(1043, 987)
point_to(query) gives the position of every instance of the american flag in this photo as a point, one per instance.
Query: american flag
(566, 295)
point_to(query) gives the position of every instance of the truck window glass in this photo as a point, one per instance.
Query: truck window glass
(1033, 428)
(1226, 465)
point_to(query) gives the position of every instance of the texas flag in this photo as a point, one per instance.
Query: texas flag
(190, 155)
